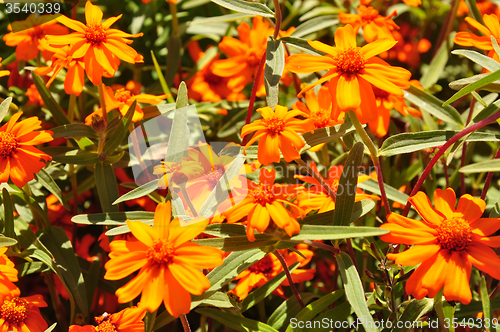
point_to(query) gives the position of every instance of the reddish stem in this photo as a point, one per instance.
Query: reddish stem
(443, 149)
(289, 277)
(464, 147)
(380, 179)
(253, 94)
(488, 179)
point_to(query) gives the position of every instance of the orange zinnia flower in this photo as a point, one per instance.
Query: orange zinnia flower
(317, 198)
(352, 71)
(34, 97)
(168, 263)
(245, 54)
(19, 160)
(129, 320)
(447, 242)
(8, 274)
(122, 97)
(99, 45)
(374, 25)
(28, 36)
(265, 202)
(3, 72)
(320, 109)
(22, 313)
(269, 267)
(492, 28)
(277, 132)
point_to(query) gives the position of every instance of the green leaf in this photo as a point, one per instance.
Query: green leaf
(434, 106)
(113, 218)
(219, 19)
(275, 64)
(4, 108)
(241, 6)
(51, 327)
(121, 130)
(354, 291)
(485, 299)
(75, 156)
(346, 191)
(182, 96)
(57, 242)
(92, 280)
(483, 166)
(8, 210)
(490, 78)
(235, 322)
(218, 299)
(444, 310)
(106, 185)
(74, 130)
(437, 65)
(337, 314)
(280, 318)
(238, 243)
(54, 108)
(463, 82)
(360, 209)
(263, 291)
(7, 241)
(322, 232)
(178, 140)
(495, 211)
(174, 47)
(314, 308)
(413, 311)
(476, 14)
(314, 25)
(302, 45)
(161, 78)
(480, 59)
(392, 193)
(325, 135)
(138, 192)
(486, 112)
(48, 182)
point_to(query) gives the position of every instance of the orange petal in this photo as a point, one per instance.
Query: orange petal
(456, 287)
(422, 204)
(472, 208)
(445, 201)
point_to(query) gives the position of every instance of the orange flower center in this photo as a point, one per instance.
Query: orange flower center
(15, 311)
(95, 33)
(105, 324)
(454, 234)
(36, 33)
(264, 266)
(123, 95)
(8, 144)
(162, 252)
(274, 125)
(211, 78)
(253, 58)
(262, 195)
(214, 176)
(350, 61)
(367, 13)
(321, 118)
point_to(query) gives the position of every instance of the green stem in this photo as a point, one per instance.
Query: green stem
(100, 87)
(188, 200)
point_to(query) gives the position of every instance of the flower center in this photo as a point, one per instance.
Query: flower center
(262, 195)
(454, 234)
(36, 33)
(15, 311)
(95, 33)
(253, 58)
(367, 13)
(264, 266)
(8, 144)
(161, 252)
(211, 78)
(274, 125)
(214, 176)
(321, 118)
(105, 324)
(123, 95)
(350, 61)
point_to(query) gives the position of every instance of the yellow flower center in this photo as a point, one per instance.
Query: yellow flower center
(8, 144)
(262, 195)
(161, 252)
(14, 311)
(105, 324)
(214, 176)
(123, 95)
(274, 125)
(454, 234)
(350, 61)
(264, 266)
(95, 33)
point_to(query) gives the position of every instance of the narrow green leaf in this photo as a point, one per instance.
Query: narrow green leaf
(280, 318)
(48, 182)
(328, 232)
(51, 327)
(464, 82)
(486, 112)
(490, 78)
(218, 299)
(495, 211)
(74, 130)
(360, 209)
(325, 135)
(241, 6)
(302, 45)
(314, 308)
(54, 108)
(77, 157)
(483, 166)
(4, 108)
(7, 241)
(161, 78)
(238, 243)
(433, 105)
(354, 291)
(315, 24)
(437, 65)
(338, 314)
(8, 210)
(412, 313)
(174, 47)
(182, 96)
(219, 19)
(138, 192)
(480, 59)
(346, 191)
(92, 280)
(263, 291)
(57, 242)
(106, 185)
(444, 310)
(392, 193)
(275, 64)
(121, 130)
(485, 299)
(113, 218)
(476, 14)
(235, 322)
